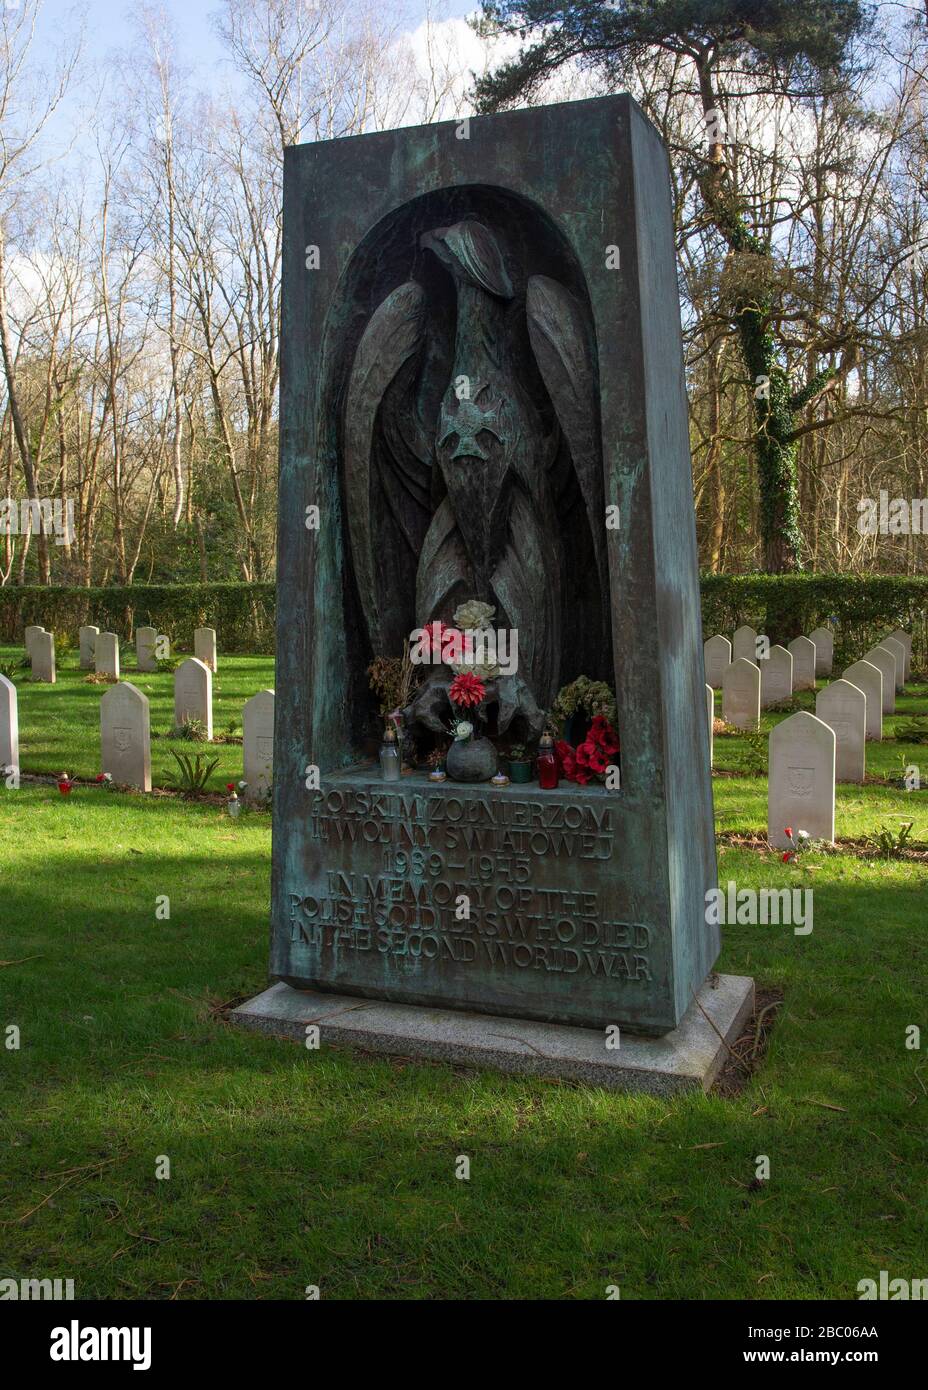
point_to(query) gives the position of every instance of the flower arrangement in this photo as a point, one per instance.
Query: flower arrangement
(391, 678)
(800, 841)
(233, 805)
(590, 759)
(466, 692)
(475, 619)
(593, 698)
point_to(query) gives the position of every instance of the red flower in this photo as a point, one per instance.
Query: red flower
(100, 777)
(789, 831)
(592, 757)
(602, 733)
(786, 856)
(230, 786)
(467, 690)
(64, 785)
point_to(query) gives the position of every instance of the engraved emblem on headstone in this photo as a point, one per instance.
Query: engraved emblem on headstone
(801, 780)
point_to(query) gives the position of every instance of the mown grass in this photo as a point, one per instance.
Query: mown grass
(59, 725)
(291, 1167)
(741, 802)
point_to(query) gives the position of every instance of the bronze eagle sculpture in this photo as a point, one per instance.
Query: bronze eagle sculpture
(471, 438)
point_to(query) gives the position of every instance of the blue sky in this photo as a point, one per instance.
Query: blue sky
(110, 26)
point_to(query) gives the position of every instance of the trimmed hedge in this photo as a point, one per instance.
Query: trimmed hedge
(861, 608)
(242, 614)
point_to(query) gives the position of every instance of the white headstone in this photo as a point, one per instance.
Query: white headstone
(884, 660)
(258, 744)
(87, 637)
(801, 780)
(892, 644)
(869, 679)
(106, 654)
(776, 677)
(31, 633)
(802, 650)
(717, 658)
(710, 714)
(9, 725)
(204, 646)
(744, 644)
(145, 638)
(843, 707)
(906, 639)
(43, 657)
(824, 640)
(193, 694)
(125, 736)
(741, 694)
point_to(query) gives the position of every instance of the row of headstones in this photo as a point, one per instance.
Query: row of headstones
(100, 651)
(878, 676)
(783, 669)
(808, 753)
(125, 728)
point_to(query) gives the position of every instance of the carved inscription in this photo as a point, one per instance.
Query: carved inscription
(421, 877)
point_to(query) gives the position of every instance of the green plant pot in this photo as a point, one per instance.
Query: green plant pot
(520, 772)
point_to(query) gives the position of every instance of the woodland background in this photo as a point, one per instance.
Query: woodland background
(140, 265)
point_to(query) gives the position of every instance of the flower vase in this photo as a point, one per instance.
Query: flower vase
(471, 760)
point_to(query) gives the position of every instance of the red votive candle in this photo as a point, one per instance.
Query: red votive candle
(547, 764)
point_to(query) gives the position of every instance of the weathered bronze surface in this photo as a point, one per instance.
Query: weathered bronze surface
(482, 357)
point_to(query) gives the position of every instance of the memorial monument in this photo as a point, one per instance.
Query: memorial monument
(484, 433)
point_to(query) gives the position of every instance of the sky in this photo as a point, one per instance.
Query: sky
(109, 26)
(110, 32)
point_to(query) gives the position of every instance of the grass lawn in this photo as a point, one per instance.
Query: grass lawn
(291, 1167)
(59, 725)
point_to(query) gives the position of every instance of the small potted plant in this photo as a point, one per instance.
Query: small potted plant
(435, 762)
(520, 764)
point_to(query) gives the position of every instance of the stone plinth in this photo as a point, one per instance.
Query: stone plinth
(688, 1058)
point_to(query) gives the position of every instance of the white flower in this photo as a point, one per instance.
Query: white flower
(473, 615)
(463, 730)
(802, 835)
(481, 669)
